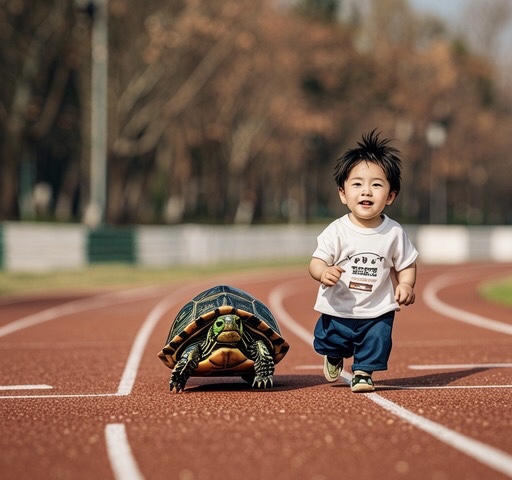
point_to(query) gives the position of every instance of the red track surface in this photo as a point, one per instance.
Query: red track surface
(442, 410)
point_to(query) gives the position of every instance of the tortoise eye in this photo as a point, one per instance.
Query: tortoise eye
(219, 323)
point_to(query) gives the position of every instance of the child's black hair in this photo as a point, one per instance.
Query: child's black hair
(371, 149)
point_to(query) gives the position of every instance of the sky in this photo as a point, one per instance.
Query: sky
(453, 11)
(447, 9)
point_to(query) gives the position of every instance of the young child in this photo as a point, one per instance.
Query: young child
(365, 263)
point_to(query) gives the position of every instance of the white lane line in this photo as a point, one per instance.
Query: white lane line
(126, 296)
(139, 345)
(275, 300)
(64, 395)
(25, 387)
(347, 377)
(490, 456)
(456, 366)
(132, 364)
(430, 297)
(134, 358)
(441, 387)
(120, 454)
(81, 305)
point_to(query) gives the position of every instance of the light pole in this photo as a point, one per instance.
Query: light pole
(436, 138)
(95, 211)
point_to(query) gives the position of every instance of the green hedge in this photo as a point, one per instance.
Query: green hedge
(107, 245)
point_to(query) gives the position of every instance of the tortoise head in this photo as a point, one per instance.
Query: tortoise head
(226, 329)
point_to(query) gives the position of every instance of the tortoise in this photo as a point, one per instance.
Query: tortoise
(223, 331)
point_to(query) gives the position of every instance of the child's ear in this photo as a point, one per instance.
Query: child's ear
(341, 193)
(391, 197)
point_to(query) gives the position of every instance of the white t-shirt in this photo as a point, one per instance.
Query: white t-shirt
(367, 255)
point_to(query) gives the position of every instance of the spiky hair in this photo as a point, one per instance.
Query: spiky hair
(375, 150)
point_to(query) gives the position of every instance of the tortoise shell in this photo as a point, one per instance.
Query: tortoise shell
(194, 320)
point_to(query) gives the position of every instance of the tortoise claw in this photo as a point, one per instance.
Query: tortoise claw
(178, 380)
(179, 387)
(262, 382)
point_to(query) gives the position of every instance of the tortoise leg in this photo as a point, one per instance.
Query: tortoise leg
(263, 365)
(186, 365)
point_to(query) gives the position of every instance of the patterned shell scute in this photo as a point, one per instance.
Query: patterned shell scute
(220, 296)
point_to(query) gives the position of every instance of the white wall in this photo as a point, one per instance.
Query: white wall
(443, 244)
(203, 244)
(43, 247)
(501, 244)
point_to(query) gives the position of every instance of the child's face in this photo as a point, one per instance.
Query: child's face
(366, 193)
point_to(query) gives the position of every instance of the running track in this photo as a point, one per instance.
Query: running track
(83, 395)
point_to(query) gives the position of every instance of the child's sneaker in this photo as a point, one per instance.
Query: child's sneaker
(332, 371)
(362, 382)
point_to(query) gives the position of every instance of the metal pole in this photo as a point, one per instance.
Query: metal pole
(436, 138)
(95, 212)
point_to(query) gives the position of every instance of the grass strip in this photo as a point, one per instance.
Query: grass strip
(498, 291)
(122, 275)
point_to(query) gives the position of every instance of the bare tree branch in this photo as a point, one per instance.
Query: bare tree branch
(177, 104)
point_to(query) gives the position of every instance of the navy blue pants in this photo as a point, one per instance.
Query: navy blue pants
(367, 340)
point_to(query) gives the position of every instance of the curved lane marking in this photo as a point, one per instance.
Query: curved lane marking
(134, 358)
(431, 299)
(492, 457)
(84, 304)
(120, 454)
(103, 300)
(275, 300)
(123, 463)
(139, 345)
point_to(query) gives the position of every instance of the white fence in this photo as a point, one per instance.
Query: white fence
(44, 247)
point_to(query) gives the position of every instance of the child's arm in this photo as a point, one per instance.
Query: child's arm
(406, 279)
(328, 275)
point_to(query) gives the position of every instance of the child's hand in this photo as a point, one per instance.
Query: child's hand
(331, 275)
(404, 294)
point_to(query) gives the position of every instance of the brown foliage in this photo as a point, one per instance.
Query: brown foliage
(234, 111)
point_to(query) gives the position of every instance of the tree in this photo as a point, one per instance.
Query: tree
(37, 112)
(234, 111)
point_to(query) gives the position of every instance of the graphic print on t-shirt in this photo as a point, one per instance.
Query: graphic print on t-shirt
(363, 270)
